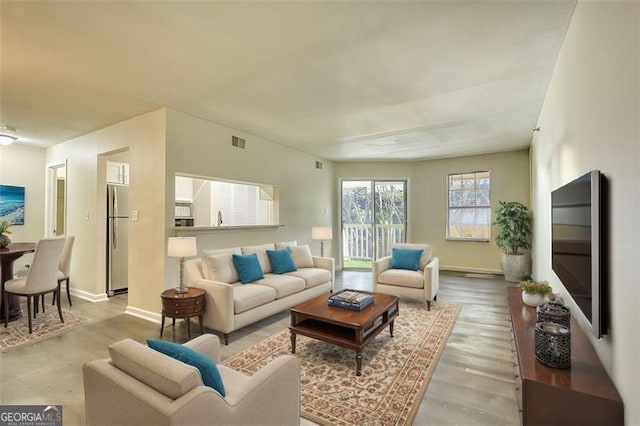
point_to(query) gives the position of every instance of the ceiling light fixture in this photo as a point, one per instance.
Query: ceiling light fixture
(7, 135)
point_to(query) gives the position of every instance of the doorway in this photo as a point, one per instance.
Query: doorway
(57, 205)
(373, 218)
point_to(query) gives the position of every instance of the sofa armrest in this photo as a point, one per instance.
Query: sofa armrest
(206, 344)
(432, 278)
(218, 308)
(327, 263)
(379, 266)
(274, 392)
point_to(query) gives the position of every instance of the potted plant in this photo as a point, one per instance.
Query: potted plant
(515, 229)
(4, 231)
(535, 293)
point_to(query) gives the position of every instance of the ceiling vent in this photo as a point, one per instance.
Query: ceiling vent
(238, 142)
(319, 165)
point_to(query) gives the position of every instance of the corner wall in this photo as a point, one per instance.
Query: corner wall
(143, 136)
(427, 200)
(590, 120)
(306, 194)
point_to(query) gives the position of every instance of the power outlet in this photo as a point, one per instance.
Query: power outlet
(86, 216)
(134, 215)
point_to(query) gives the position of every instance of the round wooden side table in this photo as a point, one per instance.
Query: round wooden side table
(182, 306)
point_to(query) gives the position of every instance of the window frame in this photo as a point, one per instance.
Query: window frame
(448, 237)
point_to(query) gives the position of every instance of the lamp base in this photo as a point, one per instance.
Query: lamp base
(181, 290)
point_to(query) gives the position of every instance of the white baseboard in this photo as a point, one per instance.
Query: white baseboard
(454, 268)
(91, 297)
(143, 314)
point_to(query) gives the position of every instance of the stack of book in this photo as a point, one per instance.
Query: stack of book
(351, 299)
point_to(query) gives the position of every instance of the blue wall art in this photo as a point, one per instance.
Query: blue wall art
(12, 204)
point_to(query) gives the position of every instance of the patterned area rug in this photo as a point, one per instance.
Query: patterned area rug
(395, 370)
(46, 325)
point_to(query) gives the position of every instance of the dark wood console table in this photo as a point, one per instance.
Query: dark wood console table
(580, 395)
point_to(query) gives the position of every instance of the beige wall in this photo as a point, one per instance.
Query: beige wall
(590, 120)
(427, 188)
(201, 148)
(143, 137)
(25, 166)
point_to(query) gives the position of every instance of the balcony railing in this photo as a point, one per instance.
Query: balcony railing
(358, 246)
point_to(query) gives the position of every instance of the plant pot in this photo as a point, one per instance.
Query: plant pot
(515, 266)
(4, 241)
(534, 299)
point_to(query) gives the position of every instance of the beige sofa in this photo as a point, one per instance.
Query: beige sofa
(231, 305)
(140, 386)
(422, 284)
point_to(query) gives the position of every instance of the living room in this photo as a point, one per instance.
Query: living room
(588, 120)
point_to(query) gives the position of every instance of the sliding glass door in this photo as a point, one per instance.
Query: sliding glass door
(373, 218)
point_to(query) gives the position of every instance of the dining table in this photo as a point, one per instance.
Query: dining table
(8, 256)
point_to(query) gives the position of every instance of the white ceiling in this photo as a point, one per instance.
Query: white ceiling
(343, 80)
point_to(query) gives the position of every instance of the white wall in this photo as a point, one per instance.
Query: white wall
(427, 200)
(201, 148)
(590, 120)
(143, 137)
(25, 166)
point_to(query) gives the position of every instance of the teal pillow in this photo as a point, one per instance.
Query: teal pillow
(208, 370)
(248, 267)
(405, 258)
(281, 261)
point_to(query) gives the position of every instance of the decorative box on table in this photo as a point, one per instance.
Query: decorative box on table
(355, 300)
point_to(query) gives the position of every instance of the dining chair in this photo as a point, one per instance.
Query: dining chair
(41, 279)
(63, 268)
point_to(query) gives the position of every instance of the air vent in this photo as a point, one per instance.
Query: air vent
(319, 165)
(238, 142)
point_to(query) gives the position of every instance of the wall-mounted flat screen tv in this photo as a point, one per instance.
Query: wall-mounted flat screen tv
(578, 249)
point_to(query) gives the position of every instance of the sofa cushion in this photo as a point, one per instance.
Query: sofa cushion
(166, 375)
(312, 276)
(302, 256)
(248, 267)
(208, 370)
(283, 244)
(261, 252)
(427, 252)
(206, 270)
(284, 285)
(402, 278)
(220, 267)
(402, 258)
(249, 296)
(281, 261)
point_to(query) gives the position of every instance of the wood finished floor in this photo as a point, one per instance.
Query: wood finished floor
(473, 384)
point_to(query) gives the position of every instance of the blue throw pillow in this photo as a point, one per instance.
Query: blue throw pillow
(281, 261)
(405, 258)
(248, 267)
(208, 370)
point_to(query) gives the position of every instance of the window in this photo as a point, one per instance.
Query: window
(241, 204)
(469, 207)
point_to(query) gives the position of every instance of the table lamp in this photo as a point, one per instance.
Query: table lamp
(182, 247)
(321, 233)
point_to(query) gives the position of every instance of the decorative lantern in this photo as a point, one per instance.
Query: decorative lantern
(554, 312)
(553, 344)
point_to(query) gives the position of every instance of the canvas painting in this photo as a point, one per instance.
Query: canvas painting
(12, 204)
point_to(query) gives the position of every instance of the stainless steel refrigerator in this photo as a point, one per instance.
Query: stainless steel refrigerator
(117, 239)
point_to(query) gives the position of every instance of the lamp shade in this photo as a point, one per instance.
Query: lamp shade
(182, 247)
(321, 233)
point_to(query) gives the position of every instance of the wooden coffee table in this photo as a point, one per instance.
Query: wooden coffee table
(343, 327)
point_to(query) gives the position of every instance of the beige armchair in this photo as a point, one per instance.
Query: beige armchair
(140, 386)
(422, 284)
